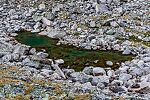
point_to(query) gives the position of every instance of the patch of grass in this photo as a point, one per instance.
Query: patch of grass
(82, 97)
(19, 97)
(134, 38)
(146, 43)
(147, 33)
(76, 33)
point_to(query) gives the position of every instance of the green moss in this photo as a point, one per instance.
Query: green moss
(76, 33)
(76, 58)
(147, 33)
(146, 43)
(134, 38)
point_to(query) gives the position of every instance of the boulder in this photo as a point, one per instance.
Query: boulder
(88, 70)
(31, 63)
(100, 79)
(126, 51)
(46, 21)
(125, 77)
(98, 71)
(55, 34)
(86, 86)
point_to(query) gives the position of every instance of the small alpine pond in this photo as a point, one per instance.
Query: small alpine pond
(76, 58)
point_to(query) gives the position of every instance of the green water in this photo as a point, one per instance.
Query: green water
(74, 57)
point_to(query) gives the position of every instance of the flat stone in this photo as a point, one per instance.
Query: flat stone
(43, 33)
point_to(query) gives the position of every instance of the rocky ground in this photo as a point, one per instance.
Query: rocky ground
(122, 25)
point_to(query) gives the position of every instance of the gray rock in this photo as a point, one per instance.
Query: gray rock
(56, 34)
(111, 73)
(37, 18)
(117, 89)
(30, 63)
(101, 85)
(42, 6)
(80, 77)
(125, 77)
(67, 72)
(37, 25)
(109, 63)
(1, 9)
(92, 24)
(116, 83)
(14, 17)
(3, 54)
(136, 71)
(145, 78)
(110, 32)
(109, 1)
(58, 70)
(15, 57)
(46, 21)
(7, 58)
(56, 9)
(46, 72)
(32, 51)
(146, 59)
(126, 51)
(140, 64)
(114, 24)
(86, 86)
(17, 28)
(93, 41)
(102, 1)
(101, 8)
(55, 76)
(146, 70)
(100, 79)
(50, 16)
(77, 76)
(20, 49)
(59, 61)
(88, 70)
(42, 55)
(98, 71)
(144, 84)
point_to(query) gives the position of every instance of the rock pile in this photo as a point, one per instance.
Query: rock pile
(121, 25)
